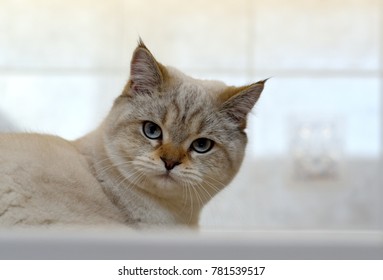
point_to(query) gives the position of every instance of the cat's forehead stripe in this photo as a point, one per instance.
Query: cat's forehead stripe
(171, 113)
(184, 115)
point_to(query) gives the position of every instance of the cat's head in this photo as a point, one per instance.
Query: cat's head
(177, 137)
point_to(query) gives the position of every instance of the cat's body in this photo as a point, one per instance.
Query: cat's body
(45, 180)
(168, 145)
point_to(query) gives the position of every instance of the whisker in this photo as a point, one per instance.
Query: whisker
(209, 195)
(215, 180)
(103, 170)
(124, 178)
(199, 199)
(184, 197)
(135, 179)
(212, 186)
(191, 204)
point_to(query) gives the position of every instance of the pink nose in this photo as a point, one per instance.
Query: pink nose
(170, 164)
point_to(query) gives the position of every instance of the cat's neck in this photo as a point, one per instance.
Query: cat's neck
(139, 206)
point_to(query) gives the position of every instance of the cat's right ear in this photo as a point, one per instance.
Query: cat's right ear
(146, 74)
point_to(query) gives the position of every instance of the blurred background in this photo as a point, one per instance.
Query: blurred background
(314, 159)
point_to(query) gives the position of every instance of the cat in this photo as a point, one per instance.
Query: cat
(167, 146)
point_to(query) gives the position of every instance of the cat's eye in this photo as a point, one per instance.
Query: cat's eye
(202, 145)
(151, 130)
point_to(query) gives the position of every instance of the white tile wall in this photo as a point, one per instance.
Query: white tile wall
(317, 35)
(258, 200)
(66, 105)
(353, 102)
(63, 62)
(192, 34)
(56, 34)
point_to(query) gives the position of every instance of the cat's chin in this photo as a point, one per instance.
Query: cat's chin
(165, 181)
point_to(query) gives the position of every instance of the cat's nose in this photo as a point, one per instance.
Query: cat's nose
(169, 164)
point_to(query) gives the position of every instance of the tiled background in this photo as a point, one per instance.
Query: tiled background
(63, 62)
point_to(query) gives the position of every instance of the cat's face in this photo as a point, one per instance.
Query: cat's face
(175, 136)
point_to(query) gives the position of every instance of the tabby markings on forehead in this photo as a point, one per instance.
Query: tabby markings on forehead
(172, 112)
(182, 121)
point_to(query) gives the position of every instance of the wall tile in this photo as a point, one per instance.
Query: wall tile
(352, 102)
(190, 34)
(64, 105)
(58, 34)
(257, 200)
(316, 35)
(234, 78)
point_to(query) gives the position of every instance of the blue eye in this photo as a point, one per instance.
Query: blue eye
(202, 145)
(151, 130)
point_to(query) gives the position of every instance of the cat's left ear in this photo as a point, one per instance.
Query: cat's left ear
(238, 102)
(146, 74)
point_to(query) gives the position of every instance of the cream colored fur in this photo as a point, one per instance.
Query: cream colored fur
(116, 175)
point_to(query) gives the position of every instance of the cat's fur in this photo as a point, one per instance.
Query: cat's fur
(116, 174)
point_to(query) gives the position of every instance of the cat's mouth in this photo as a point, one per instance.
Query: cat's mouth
(166, 180)
(167, 176)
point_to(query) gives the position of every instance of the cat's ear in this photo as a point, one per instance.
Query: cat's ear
(238, 102)
(146, 74)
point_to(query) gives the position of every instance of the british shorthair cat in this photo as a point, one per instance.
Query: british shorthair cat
(168, 145)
